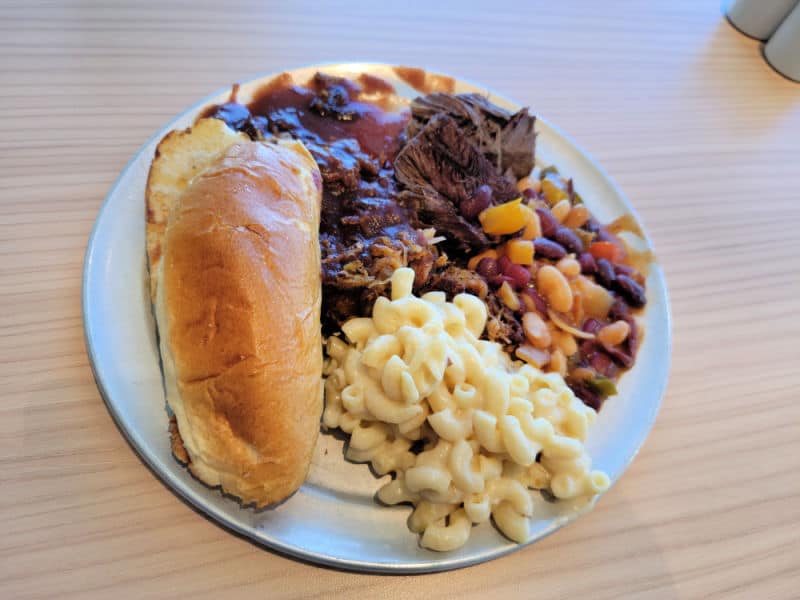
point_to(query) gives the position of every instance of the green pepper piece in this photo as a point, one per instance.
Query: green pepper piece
(551, 170)
(602, 385)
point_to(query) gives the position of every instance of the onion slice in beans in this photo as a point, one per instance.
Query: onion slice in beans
(564, 326)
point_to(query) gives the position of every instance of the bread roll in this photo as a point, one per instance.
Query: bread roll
(180, 156)
(238, 312)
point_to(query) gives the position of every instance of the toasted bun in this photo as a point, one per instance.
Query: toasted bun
(180, 156)
(238, 312)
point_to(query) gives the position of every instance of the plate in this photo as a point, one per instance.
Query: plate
(333, 519)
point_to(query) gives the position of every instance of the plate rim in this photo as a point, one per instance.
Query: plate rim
(220, 518)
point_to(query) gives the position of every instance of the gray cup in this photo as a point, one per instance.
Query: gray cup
(758, 18)
(783, 48)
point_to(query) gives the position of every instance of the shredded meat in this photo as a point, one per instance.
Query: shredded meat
(502, 326)
(456, 144)
(456, 280)
(506, 140)
(366, 230)
(380, 190)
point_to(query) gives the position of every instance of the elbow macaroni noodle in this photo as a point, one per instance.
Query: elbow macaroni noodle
(493, 429)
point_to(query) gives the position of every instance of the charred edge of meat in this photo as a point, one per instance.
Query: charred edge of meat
(440, 168)
(454, 280)
(507, 140)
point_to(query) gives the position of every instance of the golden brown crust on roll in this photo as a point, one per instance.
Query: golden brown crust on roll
(238, 310)
(179, 157)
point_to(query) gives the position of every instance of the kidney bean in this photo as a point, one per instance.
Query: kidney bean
(567, 238)
(548, 222)
(548, 248)
(588, 266)
(589, 397)
(591, 326)
(592, 225)
(633, 336)
(603, 235)
(503, 263)
(631, 291)
(538, 301)
(605, 273)
(624, 270)
(520, 275)
(629, 272)
(488, 268)
(602, 363)
(619, 355)
(619, 310)
(587, 348)
(498, 280)
(480, 200)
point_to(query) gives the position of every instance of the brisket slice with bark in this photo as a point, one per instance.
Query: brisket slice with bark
(506, 140)
(438, 169)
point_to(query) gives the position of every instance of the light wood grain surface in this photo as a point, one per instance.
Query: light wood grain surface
(680, 109)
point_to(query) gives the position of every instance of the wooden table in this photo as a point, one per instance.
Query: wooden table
(680, 109)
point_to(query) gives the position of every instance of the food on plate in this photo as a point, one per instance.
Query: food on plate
(449, 187)
(418, 372)
(365, 232)
(180, 156)
(512, 309)
(373, 220)
(476, 313)
(233, 246)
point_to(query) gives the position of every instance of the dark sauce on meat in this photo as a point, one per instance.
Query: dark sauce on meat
(328, 109)
(354, 136)
(459, 145)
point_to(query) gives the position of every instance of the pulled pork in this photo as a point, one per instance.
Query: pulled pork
(366, 230)
(454, 280)
(389, 175)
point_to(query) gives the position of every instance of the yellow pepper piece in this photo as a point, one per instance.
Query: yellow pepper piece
(520, 252)
(533, 228)
(473, 262)
(528, 183)
(508, 296)
(552, 193)
(504, 218)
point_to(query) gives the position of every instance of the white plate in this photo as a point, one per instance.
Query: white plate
(333, 519)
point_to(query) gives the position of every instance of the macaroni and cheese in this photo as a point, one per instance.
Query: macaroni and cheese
(491, 429)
